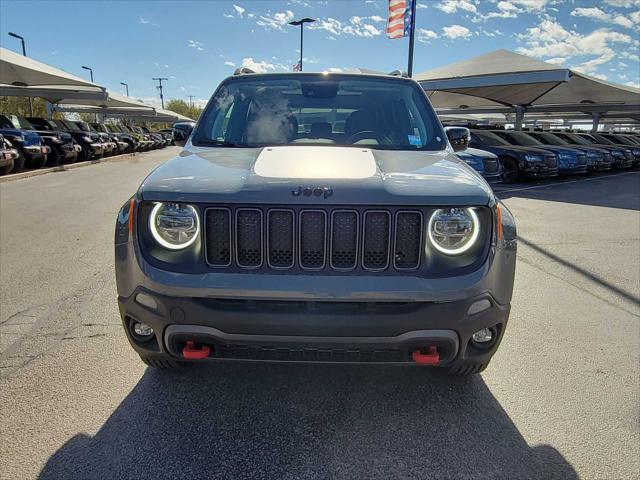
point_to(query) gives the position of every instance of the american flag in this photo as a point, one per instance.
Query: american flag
(296, 67)
(399, 20)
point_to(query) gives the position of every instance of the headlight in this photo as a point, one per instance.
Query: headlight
(533, 158)
(454, 230)
(617, 153)
(594, 154)
(565, 156)
(87, 139)
(174, 225)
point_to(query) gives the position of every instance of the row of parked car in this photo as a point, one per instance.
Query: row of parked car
(32, 142)
(511, 156)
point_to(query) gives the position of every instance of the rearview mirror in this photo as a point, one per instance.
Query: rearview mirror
(459, 137)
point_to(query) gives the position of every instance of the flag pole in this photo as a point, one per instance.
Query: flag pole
(411, 37)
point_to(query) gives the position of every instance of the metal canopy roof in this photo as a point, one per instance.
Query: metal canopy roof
(113, 101)
(24, 76)
(501, 81)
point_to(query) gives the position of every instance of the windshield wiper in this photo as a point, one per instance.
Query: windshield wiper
(220, 143)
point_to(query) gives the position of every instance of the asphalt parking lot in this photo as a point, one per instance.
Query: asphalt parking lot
(560, 399)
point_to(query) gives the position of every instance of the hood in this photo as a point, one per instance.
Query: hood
(519, 149)
(30, 137)
(476, 152)
(279, 175)
(560, 149)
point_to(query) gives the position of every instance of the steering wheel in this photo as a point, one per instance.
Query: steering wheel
(370, 134)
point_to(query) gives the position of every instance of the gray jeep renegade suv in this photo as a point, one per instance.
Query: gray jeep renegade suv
(317, 218)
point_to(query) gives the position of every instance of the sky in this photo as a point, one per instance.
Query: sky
(197, 44)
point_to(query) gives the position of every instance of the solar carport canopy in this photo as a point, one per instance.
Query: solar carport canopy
(24, 76)
(112, 103)
(502, 80)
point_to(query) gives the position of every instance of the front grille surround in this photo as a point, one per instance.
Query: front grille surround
(345, 239)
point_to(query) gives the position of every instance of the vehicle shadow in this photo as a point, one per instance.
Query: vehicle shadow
(617, 189)
(306, 421)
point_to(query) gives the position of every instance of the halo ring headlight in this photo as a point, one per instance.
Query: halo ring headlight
(460, 224)
(174, 226)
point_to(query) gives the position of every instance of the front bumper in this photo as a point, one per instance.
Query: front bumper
(353, 332)
(35, 152)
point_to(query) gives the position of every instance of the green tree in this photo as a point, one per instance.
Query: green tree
(183, 108)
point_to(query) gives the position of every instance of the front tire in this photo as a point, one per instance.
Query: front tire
(511, 171)
(162, 362)
(466, 369)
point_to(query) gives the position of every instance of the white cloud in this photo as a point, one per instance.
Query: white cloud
(596, 13)
(623, 3)
(557, 60)
(456, 31)
(356, 27)
(630, 56)
(258, 67)
(197, 45)
(239, 10)
(421, 5)
(377, 19)
(228, 15)
(229, 63)
(550, 39)
(334, 70)
(635, 84)
(144, 21)
(452, 6)
(275, 21)
(505, 10)
(425, 35)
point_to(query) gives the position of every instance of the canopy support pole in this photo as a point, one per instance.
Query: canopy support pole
(596, 122)
(519, 117)
(48, 107)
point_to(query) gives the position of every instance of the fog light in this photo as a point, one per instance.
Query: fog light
(146, 300)
(141, 331)
(483, 336)
(479, 306)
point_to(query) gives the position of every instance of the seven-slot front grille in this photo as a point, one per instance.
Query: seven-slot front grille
(313, 239)
(490, 165)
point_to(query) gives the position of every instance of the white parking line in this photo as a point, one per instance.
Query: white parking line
(559, 184)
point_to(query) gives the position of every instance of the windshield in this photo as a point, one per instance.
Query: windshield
(5, 123)
(602, 139)
(575, 139)
(619, 139)
(21, 122)
(519, 138)
(488, 138)
(548, 138)
(318, 109)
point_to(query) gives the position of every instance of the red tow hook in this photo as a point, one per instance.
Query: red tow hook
(429, 358)
(190, 351)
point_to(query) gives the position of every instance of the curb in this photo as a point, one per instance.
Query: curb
(71, 166)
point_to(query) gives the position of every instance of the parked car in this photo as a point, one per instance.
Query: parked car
(570, 160)
(485, 163)
(143, 143)
(620, 157)
(368, 244)
(182, 130)
(168, 133)
(623, 141)
(63, 148)
(597, 158)
(32, 151)
(91, 144)
(110, 147)
(8, 155)
(122, 146)
(518, 162)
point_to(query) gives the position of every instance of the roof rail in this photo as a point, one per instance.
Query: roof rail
(243, 71)
(399, 73)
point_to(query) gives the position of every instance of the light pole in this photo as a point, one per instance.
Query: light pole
(160, 79)
(191, 97)
(95, 115)
(301, 22)
(126, 86)
(24, 53)
(90, 71)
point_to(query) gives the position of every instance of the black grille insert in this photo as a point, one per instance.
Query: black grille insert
(280, 239)
(408, 240)
(249, 238)
(344, 239)
(313, 227)
(375, 250)
(218, 233)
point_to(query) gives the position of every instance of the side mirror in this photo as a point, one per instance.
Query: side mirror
(459, 137)
(179, 138)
